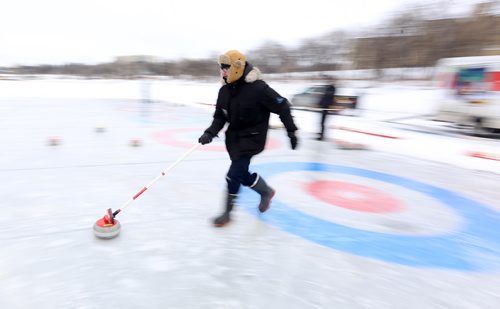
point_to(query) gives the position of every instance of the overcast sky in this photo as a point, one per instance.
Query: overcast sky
(96, 31)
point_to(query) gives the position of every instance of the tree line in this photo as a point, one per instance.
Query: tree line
(410, 38)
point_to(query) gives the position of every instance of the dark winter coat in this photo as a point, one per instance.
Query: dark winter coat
(246, 105)
(327, 99)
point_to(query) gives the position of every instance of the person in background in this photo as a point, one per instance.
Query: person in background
(326, 104)
(245, 102)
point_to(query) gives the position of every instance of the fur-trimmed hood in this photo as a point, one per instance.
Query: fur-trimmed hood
(250, 75)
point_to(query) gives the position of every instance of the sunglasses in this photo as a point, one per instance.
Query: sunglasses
(224, 66)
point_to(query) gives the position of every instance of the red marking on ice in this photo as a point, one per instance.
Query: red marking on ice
(367, 133)
(353, 196)
(483, 155)
(169, 137)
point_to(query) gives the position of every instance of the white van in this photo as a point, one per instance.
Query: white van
(471, 92)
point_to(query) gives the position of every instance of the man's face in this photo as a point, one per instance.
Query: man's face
(224, 70)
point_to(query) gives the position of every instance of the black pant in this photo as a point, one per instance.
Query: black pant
(238, 174)
(324, 113)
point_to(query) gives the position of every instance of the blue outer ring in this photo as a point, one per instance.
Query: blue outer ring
(474, 248)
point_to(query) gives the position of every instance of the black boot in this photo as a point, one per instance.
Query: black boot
(266, 193)
(224, 218)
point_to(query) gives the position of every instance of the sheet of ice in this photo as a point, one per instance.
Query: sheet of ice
(378, 104)
(168, 255)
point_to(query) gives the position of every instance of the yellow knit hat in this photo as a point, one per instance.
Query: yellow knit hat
(237, 62)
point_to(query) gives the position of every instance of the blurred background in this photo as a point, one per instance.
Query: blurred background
(126, 39)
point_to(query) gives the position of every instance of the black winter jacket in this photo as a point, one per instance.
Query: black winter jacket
(246, 105)
(327, 99)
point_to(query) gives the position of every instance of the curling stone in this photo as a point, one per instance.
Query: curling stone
(107, 227)
(53, 141)
(100, 129)
(135, 142)
(342, 144)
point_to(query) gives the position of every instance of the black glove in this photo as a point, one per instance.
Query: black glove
(293, 139)
(206, 138)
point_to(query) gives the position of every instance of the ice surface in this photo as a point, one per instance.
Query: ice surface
(169, 256)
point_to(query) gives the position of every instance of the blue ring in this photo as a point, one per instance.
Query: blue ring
(476, 247)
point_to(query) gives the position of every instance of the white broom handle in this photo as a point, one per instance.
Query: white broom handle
(187, 153)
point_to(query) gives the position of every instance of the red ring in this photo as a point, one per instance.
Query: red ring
(169, 137)
(353, 196)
